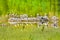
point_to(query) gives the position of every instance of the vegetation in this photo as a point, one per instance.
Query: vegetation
(30, 32)
(28, 6)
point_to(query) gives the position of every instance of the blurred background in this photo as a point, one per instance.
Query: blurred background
(30, 7)
(51, 7)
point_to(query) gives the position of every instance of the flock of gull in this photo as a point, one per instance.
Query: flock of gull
(39, 20)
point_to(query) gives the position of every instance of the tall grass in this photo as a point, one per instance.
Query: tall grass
(28, 6)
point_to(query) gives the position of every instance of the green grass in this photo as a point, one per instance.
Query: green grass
(30, 32)
(28, 6)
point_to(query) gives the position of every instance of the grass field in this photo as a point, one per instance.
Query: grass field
(30, 32)
(27, 32)
(30, 7)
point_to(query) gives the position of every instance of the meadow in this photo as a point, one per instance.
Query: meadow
(30, 32)
(30, 7)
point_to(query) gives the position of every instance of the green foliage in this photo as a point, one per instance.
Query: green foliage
(26, 6)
